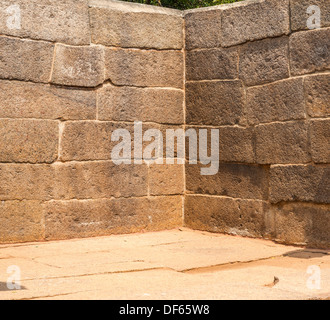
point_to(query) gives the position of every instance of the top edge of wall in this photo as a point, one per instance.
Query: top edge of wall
(133, 7)
(224, 6)
(139, 7)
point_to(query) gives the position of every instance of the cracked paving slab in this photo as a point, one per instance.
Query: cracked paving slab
(172, 264)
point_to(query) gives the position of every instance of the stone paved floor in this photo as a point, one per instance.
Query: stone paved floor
(176, 264)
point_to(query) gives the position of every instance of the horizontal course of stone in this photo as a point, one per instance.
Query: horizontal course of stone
(76, 70)
(259, 75)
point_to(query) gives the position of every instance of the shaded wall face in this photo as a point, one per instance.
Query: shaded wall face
(72, 72)
(259, 75)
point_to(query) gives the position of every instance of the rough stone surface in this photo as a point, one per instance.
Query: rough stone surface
(232, 180)
(81, 180)
(264, 61)
(25, 60)
(282, 143)
(140, 104)
(144, 67)
(226, 215)
(299, 15)
(38, 101)
(203, 29)
(317, 95)
(254, 20)
(99, 179)
(309, 51)
(162, 129)
(320, 141)
(236, 144)
(214, 103)
(166, 179)
(302, 224)
(280, 101)
(208, 64)
(299, 183)
(128, 29)
(33, 141)
(63, 21)
(78, 66)
(89, 140)
(67, 219)
(21, 221)
(26, 182)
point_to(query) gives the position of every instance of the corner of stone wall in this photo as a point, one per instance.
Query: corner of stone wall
(73, 71)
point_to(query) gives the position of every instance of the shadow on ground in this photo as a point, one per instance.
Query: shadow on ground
(306, 254)
(3, 287)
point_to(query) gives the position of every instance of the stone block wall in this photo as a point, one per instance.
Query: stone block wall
(259, 75)
(73, 71)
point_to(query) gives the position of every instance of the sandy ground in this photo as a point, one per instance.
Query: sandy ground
(170, 265)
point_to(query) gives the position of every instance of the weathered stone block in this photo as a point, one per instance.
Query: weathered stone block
(280, 101)
(317, 95)
(166, 179)
(232, 180)
(140, 104)
(78, 66)
(21, 221)
(136, 28)
(38, 101)
(144, 67)
(264, 61)
(256, 20)
(69, 219)
(309, 51)
(89, 140)
(26, 182)
(203, 28)
(211, 64)
(25, 59)
(66, 181)
(320, 141)
(77, 218)
(236, 144)
(299, 183)
(214, 103)
(282, 143)
(302, 224)
(299, 14)
(34, 141)
(220, 214)
(63, 21)
(99, 179)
